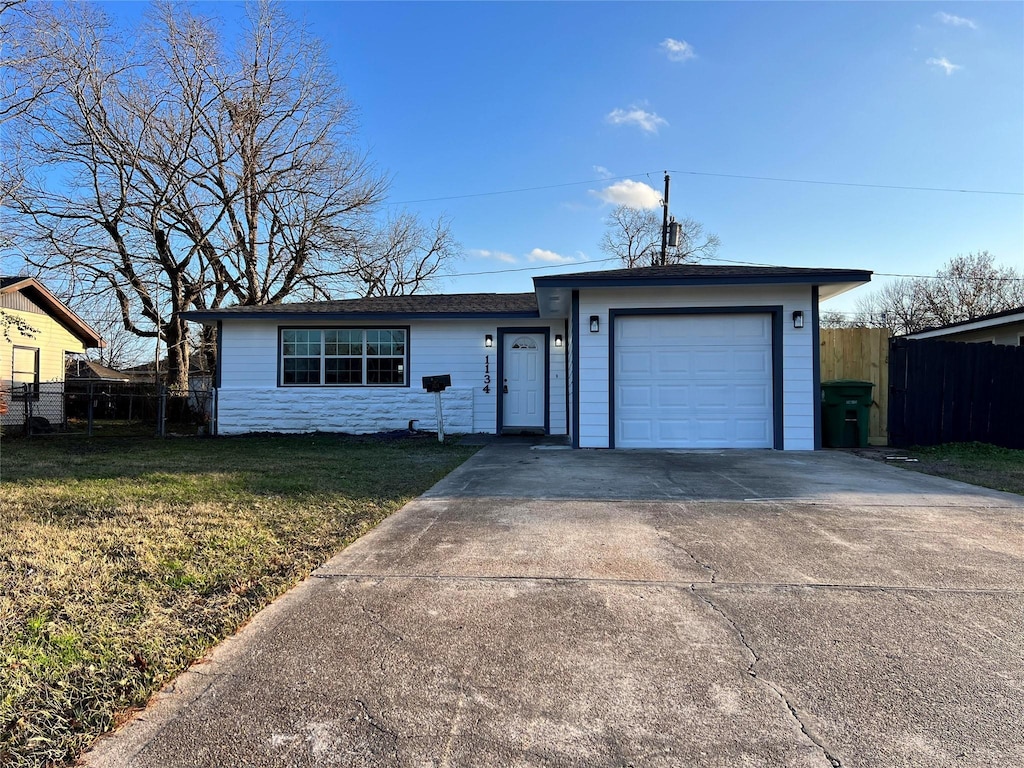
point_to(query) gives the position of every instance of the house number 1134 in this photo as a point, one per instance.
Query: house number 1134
(487, 374)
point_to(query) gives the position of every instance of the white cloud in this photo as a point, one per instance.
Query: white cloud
(646, 121)
(633, 194)
(955, 21)
(539, 254)
(945, 64)
(508, 258)
(678, 50)
(603, 172)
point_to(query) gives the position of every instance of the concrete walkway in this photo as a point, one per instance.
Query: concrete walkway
(611, 608)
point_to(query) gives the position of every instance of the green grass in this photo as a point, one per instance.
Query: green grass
(123, 560)
(978, 463)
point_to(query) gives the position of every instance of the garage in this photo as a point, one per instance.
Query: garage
(693, 380)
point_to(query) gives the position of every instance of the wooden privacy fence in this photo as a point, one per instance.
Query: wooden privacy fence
(950, 392)
(863, 354)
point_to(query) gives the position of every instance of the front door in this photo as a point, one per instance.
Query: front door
(523, 385)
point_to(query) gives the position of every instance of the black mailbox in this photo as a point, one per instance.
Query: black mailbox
(437, 383)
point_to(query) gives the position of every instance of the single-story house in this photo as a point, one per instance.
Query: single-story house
(681, 356)
(998, 328)
(34, 362)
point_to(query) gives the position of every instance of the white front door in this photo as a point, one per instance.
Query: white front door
(523, 385)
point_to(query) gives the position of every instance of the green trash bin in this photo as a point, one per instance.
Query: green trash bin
(845, 407)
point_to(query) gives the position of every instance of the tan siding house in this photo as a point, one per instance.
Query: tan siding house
(36, 359)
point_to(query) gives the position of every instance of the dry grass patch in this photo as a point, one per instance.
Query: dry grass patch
(123, 561)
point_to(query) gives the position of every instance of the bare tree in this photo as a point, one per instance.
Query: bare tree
(833, 318)
(634, 235)
(179, 171)
(966, 287)
(404, 257)
(972, 286)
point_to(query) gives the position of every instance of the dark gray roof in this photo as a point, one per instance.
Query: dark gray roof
(423, 305)
(6, 280)
(91, 370)
(1007, 313)
(703, 274)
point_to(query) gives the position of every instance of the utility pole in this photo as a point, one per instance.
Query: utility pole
(664, 224)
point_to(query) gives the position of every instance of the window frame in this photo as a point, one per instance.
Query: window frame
(16, 392)
(323, 356)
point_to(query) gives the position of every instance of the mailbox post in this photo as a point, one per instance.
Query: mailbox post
(437, 385)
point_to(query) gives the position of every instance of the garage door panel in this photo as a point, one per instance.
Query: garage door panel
(752, 361)
(672, 364)
(673, 429)
(636, 397)
(672, 396)
(751, 430)
(636, 431)
(752, 396)
(757, 328)
(636, 363)
(708, 380)
(712, 396)
(712, 362)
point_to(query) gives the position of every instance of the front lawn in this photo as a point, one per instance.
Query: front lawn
(122, 561)
(978, 463)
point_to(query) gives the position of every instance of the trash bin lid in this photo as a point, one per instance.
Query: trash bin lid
(847, 383)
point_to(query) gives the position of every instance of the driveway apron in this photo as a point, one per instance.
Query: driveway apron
(545, 607)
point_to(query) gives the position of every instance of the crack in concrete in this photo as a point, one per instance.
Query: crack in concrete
(894, 588)
(378, 727)
(752, 672)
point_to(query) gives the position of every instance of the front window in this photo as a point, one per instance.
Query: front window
(343, 357)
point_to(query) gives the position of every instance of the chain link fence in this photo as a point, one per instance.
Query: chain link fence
(65, 408)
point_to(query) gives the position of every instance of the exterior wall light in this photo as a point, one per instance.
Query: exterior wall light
(488, 340)
(798, 319)
(595, 324)
(558, 339)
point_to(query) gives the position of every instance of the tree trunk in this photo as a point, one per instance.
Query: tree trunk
(176, 337)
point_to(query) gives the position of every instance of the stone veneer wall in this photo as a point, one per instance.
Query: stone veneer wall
(356, 410)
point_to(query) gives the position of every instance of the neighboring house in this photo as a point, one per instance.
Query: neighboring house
(85, 372)
(682, 356)
(998, 328)
(35, 362)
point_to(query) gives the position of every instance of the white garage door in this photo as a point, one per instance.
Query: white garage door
(693, 381)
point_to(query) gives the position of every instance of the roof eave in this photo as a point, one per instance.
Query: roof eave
(76, 325)
(813, 278)
(968, 326)
(209, 317)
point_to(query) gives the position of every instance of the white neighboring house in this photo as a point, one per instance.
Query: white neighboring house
(998, 328)
(35, 362)
(681, 356)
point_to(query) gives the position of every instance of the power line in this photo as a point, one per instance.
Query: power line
(779, 179)
(853, 184)
(521, 189)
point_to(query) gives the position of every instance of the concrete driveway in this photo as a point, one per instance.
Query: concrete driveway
(598, 608)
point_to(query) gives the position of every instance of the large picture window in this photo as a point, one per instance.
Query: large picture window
(358, 357)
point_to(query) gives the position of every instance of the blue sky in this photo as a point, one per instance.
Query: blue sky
(458, 100)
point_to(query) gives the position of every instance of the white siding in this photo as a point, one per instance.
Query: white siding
(250, 400)
(797, 350)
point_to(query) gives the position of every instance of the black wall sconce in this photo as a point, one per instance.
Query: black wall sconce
(595, 324)
(488, 340)
(558, 339)
(798, 319)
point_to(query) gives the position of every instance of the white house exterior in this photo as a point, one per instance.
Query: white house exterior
(999, 328)
(683, 356)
